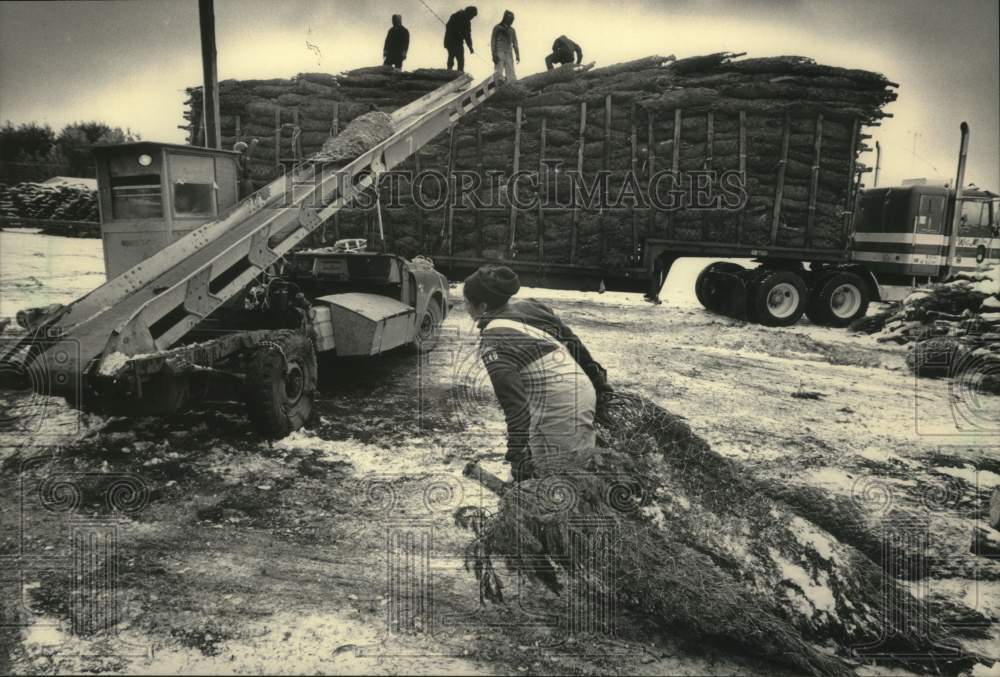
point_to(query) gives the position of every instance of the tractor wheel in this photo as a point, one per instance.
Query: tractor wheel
(281, 383)
(429, 330)
(708, 294)
(838, 299)
(777, 298)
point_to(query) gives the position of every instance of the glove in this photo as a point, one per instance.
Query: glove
(521, 467)
(603, 400)
(599, 377)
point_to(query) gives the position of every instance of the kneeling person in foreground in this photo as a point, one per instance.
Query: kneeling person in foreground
(545, 378)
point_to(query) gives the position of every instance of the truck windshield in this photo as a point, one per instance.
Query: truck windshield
(975, 219)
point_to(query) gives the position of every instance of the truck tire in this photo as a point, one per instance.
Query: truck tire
(838, 298)
(281, 384)
(777, 298)
(428, 332)
(708, 295)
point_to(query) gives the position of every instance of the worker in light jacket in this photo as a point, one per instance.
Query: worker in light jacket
(457, 31)
(545, 378)
(563, 51)
(397, 43)
(503, 44)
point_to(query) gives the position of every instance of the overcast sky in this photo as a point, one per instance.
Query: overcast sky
(127, 62)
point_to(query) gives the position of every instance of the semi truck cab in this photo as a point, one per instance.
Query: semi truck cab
(903, 234)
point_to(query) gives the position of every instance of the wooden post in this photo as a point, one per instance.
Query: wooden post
(651, 165)
(678, 119)
(238, 134)
(634, 140)
(849, 201)
(479, 172)
(606, 167)
(675, 164)
(449, 215)
(210, 74)
(779, 189)
(517, 165)
(743, 173)
(710, 140)
(814, 183)
(334, 131)
(579, 170)
(542, 176)
(277, 136)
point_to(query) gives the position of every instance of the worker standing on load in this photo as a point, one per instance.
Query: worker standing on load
(456, 31)
(244, 185)
(545, 378)
(563, 50)
(503, 44)
(397, 43)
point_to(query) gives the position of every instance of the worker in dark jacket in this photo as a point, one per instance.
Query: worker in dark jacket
(503, 44)
(397, 43)
(456, 31)
(563, 50)
(545, 378)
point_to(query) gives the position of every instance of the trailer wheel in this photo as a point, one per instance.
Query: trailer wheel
(838, 299)
(708, 294)
(777, 298)
(429, 330)
(281, 383)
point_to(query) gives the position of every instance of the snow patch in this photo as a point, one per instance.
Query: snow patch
(984, 479)
(411, 457)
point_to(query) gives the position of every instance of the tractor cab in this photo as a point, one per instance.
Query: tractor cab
(152, 194)
(906, 231)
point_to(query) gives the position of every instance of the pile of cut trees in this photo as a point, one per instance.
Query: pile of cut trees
(293, 117)
(952, 328)
(58, 209)
(795, 128)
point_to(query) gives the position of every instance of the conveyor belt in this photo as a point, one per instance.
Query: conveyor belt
(152, 306)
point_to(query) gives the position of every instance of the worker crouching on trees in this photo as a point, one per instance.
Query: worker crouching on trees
(397, 43)
(458, 30)
(563, 51)
(503, 44)
(545, 378)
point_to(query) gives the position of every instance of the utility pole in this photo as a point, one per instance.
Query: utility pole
(210, 73)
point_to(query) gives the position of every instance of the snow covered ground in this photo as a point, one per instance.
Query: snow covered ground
(247, 551)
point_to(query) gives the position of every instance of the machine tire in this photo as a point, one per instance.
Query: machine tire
(281, 384)
(429, 330)
(707, 296)
(777, 298)
(838, 299)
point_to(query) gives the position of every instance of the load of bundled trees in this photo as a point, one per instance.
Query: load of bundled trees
(292, 118)
(952, 328)
(51, 202)
(794, 126)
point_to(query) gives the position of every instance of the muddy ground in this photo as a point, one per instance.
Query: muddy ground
(335, 551)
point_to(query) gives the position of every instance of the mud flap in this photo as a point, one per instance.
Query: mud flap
(734, 290)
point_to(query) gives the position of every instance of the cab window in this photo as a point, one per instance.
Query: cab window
(192, 182)
(136, 197)
(974, 221)
(930, 214)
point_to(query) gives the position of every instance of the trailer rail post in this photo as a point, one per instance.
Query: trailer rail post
(511, 251)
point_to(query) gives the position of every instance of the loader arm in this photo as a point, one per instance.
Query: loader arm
(153, 305)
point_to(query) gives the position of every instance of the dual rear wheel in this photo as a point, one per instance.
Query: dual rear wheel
(779, 298)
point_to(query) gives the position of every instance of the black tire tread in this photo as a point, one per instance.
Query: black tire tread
(267, 415)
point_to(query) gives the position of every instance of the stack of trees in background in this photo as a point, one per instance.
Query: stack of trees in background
(55, 203)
